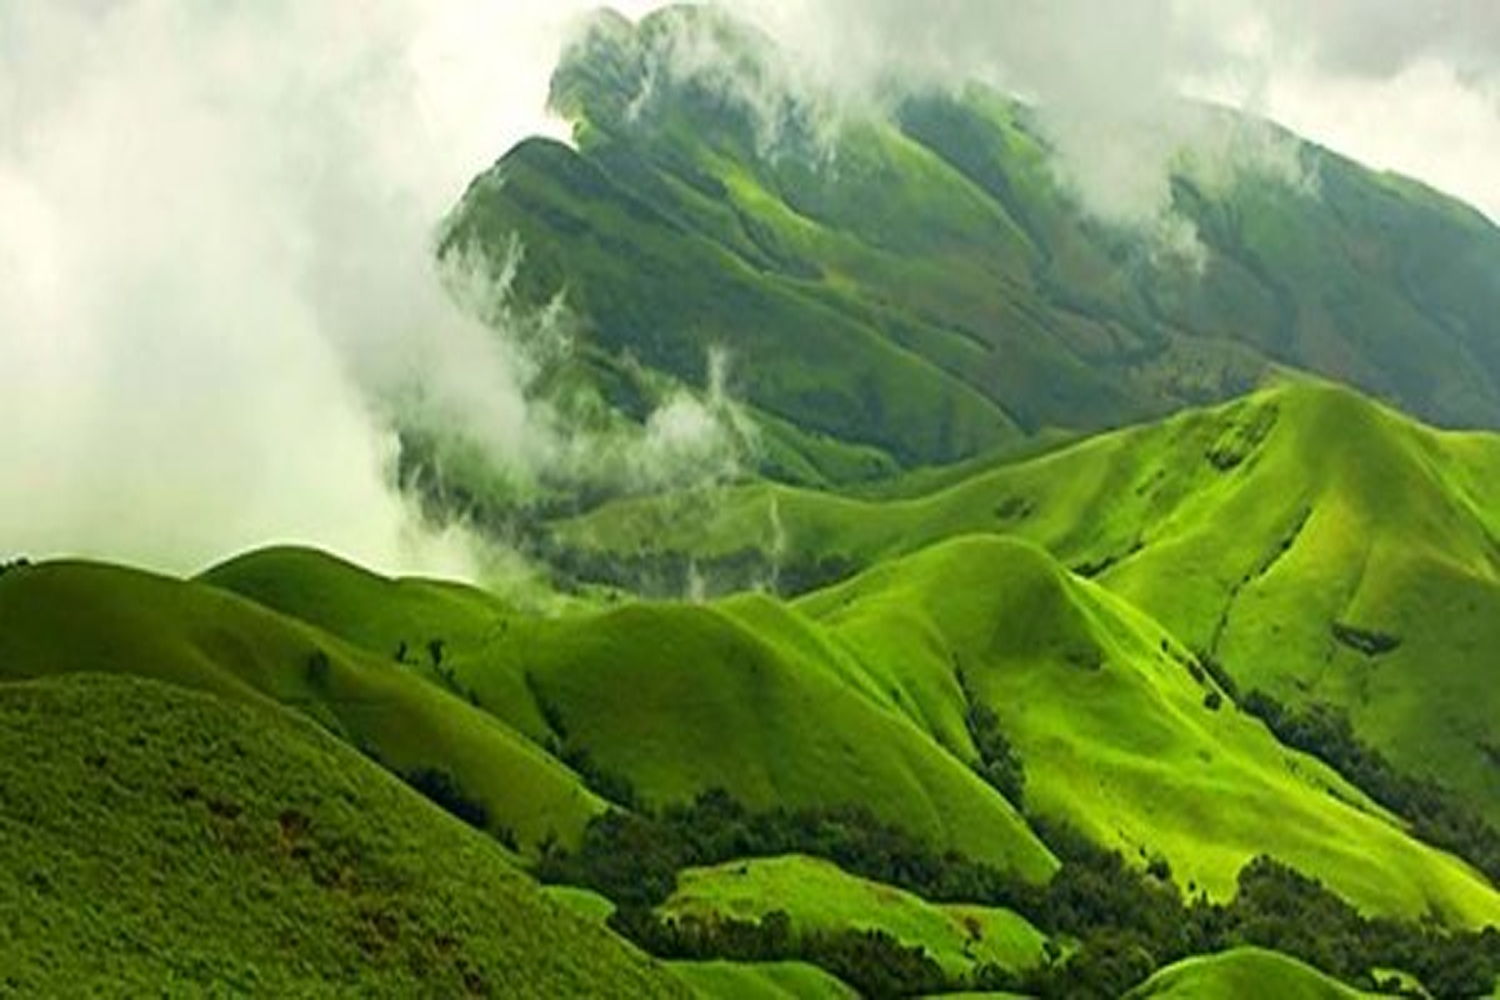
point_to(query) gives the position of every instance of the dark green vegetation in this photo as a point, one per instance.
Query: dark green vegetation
(918, 287)
(158, 841)
(1127, 923)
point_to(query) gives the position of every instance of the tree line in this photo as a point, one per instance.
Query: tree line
(1128, 922)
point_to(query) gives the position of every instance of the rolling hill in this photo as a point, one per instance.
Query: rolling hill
(852, 696)
(677, 699)
(816, 895)
(207, 639)
(865, 694)
(1243, 972)
(1318, 545)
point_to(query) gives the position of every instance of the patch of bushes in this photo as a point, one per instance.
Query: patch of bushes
(1210, 665)
(872, 961)
(443, 788)
(1366, 641)
(998, 763)
(1128, 923)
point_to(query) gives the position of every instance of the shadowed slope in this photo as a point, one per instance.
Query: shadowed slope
(157, 839)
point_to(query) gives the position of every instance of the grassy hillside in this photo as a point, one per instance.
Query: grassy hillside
(761, 981)
(817, 896)
(157, 840)
(1320, 546)
(852, 696)
(922, 284)
(1244, 972)
(677, 699)
(205, 638)
(1119, 731)
(674, 699)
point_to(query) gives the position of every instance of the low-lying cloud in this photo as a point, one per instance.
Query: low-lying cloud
(216, 224)
(216, 271)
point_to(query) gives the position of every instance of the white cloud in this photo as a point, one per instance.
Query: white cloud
(216, 262)
(214, 257)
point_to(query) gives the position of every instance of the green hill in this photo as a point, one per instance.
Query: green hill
(817, 896)
(852, 696)
(78, 617)
(674, 699)
(161, 841)
(761, 981)
(1120, 733)
(919, 283)
(1318, 545)
(1241, 973)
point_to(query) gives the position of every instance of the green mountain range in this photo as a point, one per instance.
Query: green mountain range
(1096, 618)
(919, 286)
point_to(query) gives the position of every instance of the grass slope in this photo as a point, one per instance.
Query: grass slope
(761, 981)
(1257, 531)
(817, 896)
(851, 696)
(76, 617)
(157, 840)
(679, 699)
(676, 699)
(1113, 727)
(1244, 972)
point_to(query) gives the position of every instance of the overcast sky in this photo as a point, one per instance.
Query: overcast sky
(214, 218)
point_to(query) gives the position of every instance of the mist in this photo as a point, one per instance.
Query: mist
(218, 294)
(1402, 86)
(217, 278)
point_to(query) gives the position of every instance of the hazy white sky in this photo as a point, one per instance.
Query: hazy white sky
(214, 218)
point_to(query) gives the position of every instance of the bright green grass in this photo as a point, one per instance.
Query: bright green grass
(817, 896)
(1244, 972)
(678, 699)
(761, 981)
(1338, 510)
(370, 611)
(71, 617)
(851, 697)
(1114, 732)
(585, 902)
(160, 841)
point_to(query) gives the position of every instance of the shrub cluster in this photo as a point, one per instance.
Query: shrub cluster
(1127, 922)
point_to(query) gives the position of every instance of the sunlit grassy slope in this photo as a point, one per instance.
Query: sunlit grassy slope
(925, 285)
(158, 841)
(765, 981)
(76, 617)
(1272, 533)
(817, 896)
(851, 696)
(680, 699)
(1114, 727)
(1244, 972)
